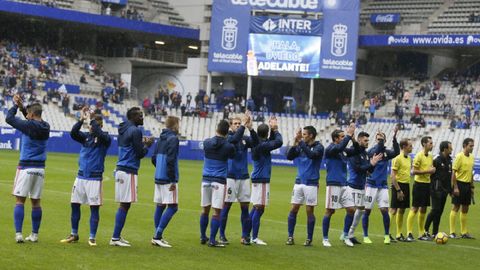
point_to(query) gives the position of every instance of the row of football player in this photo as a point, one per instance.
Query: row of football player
(225, 164)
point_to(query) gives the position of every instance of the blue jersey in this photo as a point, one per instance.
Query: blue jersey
(262, 159)
(308, 159)
(336, 161)
(165, 158)
(238, 165)
(379, 176)
(94, 149)
(33, 146)
(217, 152)
(130, 147)
(358, 168)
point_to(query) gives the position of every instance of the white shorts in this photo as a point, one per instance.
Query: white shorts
(213, 194)
(303, 194)
(238, 190)
(163, 195)
(355, 197)
(378, 195)
(125, 187)
(260, 194)
(336, 197)
(87, 192)
(29, 183)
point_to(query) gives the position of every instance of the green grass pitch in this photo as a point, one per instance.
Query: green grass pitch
(183, 231)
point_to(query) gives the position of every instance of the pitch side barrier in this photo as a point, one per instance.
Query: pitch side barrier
(61, 142)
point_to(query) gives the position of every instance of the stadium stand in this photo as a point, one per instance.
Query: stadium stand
(412, 11)
(156, 11)
(459, 18)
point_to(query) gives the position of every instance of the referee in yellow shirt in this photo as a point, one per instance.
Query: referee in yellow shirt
(401, 167)
(462, 183)
(422, 169)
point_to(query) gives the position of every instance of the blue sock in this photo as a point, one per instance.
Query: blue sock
(246, 221)
(203, 226)
(365, 220)
(18, 215)
(94, 219)
(292, 220)
(75, 217)
(386, 222)
(166, 217)
(310, 226)
(250, 216)
(347, 223)
(325, 226)
(158, 215)
(223, 219)
(36, 219)
(256, 222)
(120, 218)
(215, 224)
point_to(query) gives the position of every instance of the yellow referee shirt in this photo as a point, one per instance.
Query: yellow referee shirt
(463, 167)
(422, 163)
(402, 165)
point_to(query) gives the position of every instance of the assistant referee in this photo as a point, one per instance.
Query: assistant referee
(462, 183)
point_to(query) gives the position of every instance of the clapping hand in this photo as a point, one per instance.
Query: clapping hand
(148, 141)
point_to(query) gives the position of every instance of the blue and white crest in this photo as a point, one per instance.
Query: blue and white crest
(339, 40)
(229, 34)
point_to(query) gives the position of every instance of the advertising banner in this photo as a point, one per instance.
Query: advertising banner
(283, 55)
(286, 26)
(301, 5)
(340, 39)
(118, 2)
(419, 40)
(228, 37)
(385, 18)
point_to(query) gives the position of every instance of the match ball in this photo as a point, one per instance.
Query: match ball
(441, 238)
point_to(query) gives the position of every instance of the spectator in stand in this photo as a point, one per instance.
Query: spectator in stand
(146, 104)
(66, 105)
(417, 110)
(372, 109)
(476, 111)
(366, 104)
(108, 11)
(189, 99)
(250, 104)
(453, 124)
(406, 97)
(83, 79)
(468, 113)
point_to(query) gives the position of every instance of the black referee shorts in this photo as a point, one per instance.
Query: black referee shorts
(465, 196)
(395, 203)
(421, 194)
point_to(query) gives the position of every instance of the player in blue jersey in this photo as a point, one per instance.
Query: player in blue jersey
(262, 170)
(165, 160)
(132, 147)
(87, 188)
(238, 179)
(377, 187)
(214, 177)
(359, 166)
(31, 167)
(335, 156)
(306, 154)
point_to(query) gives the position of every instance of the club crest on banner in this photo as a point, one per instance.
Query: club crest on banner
(339, 40)
(229, 34)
